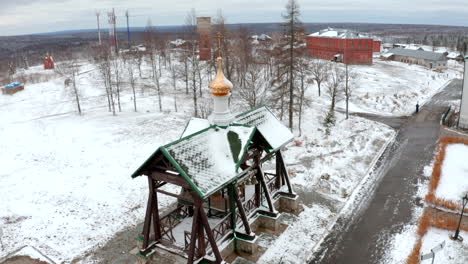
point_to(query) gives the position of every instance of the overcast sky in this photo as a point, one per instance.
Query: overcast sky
(35, 16)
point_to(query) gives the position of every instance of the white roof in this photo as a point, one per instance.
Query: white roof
(387, 55)
(342, 34)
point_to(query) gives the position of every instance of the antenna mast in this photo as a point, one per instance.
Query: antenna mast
(128, 31)
(98, 26)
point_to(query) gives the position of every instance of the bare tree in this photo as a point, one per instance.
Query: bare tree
(304, 79)
(102, 58)
(151, 41)
(334, 86)
(253, 89)
(117, 69)
(174, 76)
(131, 60)
(319, 70)
(349, 77)
(69, 69)
(192, 58)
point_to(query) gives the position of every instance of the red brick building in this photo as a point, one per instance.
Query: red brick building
(342, 45)
(49, 63)
(204, 34)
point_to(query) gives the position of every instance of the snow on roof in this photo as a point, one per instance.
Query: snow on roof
(177, 42)
(454, 55)
(419, 54)
(211, 158)
(387, 55)
(341, 33)
(194, 125)
(275, 133)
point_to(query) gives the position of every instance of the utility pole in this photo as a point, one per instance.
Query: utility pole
(128, 31)
(112, 30)
(98, 26)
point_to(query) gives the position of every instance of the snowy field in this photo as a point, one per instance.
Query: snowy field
(453, 181)
(393, 88)
(65, 179)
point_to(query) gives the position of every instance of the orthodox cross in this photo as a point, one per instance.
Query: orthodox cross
(219, 36)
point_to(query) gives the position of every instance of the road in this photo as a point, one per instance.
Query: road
(362, 239)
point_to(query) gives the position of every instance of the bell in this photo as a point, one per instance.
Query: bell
(254, 180)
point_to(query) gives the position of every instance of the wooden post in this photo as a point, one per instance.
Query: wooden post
(232, 205)
(261, 178)
(285, 172)
(156, 223)
(201, 238)
(210, 235)
(245, 222)
(258, 197)
(193, 235)
(279, 175)
(149, 206)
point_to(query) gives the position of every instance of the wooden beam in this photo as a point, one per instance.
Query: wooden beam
(201, 239)
(285, 172)
(149, 206)
(279, 174)
(156, 222)
(210, 235)
(193, 235)
(173, 195)
(170, 178)
(245, 222)
(261, 178)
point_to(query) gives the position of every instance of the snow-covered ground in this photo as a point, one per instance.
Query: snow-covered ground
(345, 157)
(65, 179)
(453, 184)
(393, 88)
(453, 252)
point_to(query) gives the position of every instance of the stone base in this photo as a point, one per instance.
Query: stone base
(288, 203)
(247, 246)
(267, 222)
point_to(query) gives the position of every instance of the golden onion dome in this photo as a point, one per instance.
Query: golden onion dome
(220, 86)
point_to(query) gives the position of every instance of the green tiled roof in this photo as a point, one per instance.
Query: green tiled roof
(210, 158)
(269, 126)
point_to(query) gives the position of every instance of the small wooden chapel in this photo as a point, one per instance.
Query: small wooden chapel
(215, 172)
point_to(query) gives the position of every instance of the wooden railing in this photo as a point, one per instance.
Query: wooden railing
(270, 179)
(169, 221)
(219, 230)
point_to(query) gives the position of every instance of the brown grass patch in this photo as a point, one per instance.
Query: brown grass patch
(437, 174)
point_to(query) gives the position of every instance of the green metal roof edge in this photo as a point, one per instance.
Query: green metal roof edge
(189, 136)
(251, 110)
(136, 174)
(181, 171)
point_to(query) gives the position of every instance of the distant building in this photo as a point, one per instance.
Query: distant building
(429, 59)
(204, 35)
(455, 56)
(342, 45)
(49, 63)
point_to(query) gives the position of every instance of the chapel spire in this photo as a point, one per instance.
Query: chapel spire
(220, 90)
